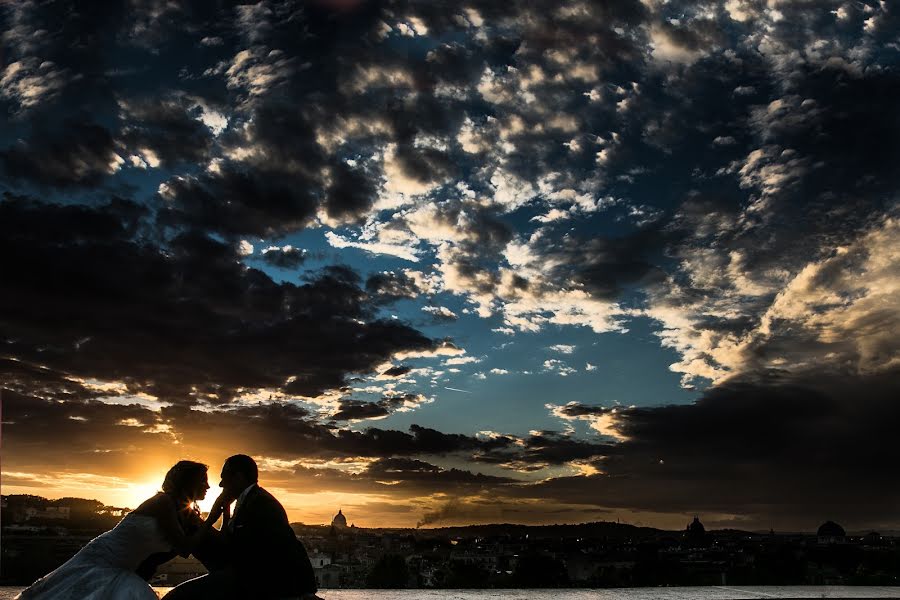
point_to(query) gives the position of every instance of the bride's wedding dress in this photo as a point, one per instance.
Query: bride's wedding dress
(105, 568)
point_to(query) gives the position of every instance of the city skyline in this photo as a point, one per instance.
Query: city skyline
(443, 264)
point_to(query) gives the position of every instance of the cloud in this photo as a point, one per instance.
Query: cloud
(559, 367)
(397, 250)
(441, 313)
(462, 360)
(30, 82)
(166, 129)
(397, 371)
(563, 348)
(83, 155)
(601, 419)
(245, 331)
(799, 320)
(389, 286)
(284, 257)
(356, 410)
(767, 450)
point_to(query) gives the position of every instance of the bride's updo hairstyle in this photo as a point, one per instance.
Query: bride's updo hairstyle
(183, 477)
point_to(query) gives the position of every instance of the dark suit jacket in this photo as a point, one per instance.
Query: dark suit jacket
(263, 550)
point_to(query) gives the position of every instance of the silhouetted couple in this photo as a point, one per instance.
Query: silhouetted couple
(255, 554)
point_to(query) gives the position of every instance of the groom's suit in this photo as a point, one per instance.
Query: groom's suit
(262, 549)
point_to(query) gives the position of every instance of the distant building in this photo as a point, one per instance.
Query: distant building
(873, 538)
(339, 521)
(329, 576)
(51, 512)
(319, 560)
(831, 533)
(695, 533)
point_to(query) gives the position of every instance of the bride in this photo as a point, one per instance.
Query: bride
(105, 567)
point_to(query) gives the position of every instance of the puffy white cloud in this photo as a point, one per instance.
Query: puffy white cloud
(245, 248)
(375, 247)
(563, 348)
(839, 310)
(441, 312)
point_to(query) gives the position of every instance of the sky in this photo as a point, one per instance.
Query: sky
(442, 263)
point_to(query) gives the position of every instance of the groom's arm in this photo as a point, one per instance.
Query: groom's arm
(213, 552)
(147, 569)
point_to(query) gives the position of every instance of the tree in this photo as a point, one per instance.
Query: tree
(536, 571)
(389, 572)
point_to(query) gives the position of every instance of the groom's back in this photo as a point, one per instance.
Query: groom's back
(268, 558)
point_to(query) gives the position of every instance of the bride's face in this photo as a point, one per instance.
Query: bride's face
(199, 492)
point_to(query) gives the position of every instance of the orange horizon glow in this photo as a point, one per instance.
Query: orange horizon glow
(317, 508)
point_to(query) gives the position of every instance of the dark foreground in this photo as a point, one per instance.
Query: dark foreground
(671, 593)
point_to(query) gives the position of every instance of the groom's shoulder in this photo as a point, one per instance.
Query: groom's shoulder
(267, 497)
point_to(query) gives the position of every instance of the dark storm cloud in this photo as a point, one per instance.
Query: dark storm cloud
(67, 40)
(169, 127)
(240, 200)
(188, 322)
(421, 474)
(284, 258)
(794, 450)
(351, 193)
(604, 265)
(358, 410)
(547, 447)
(395, 476)
(85, 436)
(285, 431)
(22, 378)
(268, 429)
(389, 286)
(575, 409)
(397, 371)
(841, 123)
(82, 154)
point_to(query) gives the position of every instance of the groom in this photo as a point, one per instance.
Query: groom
(257, 553)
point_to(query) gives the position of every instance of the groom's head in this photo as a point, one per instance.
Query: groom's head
(238, 472)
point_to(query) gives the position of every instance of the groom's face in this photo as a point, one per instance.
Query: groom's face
(233, 482)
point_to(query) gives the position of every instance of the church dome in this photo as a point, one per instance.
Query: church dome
(339, 520)
(830, 529)
(696, 527)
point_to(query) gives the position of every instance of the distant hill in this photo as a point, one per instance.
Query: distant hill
(599, 529)
(91, 515)
(595, 530)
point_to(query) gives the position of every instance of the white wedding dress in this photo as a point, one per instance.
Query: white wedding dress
(105, 568)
